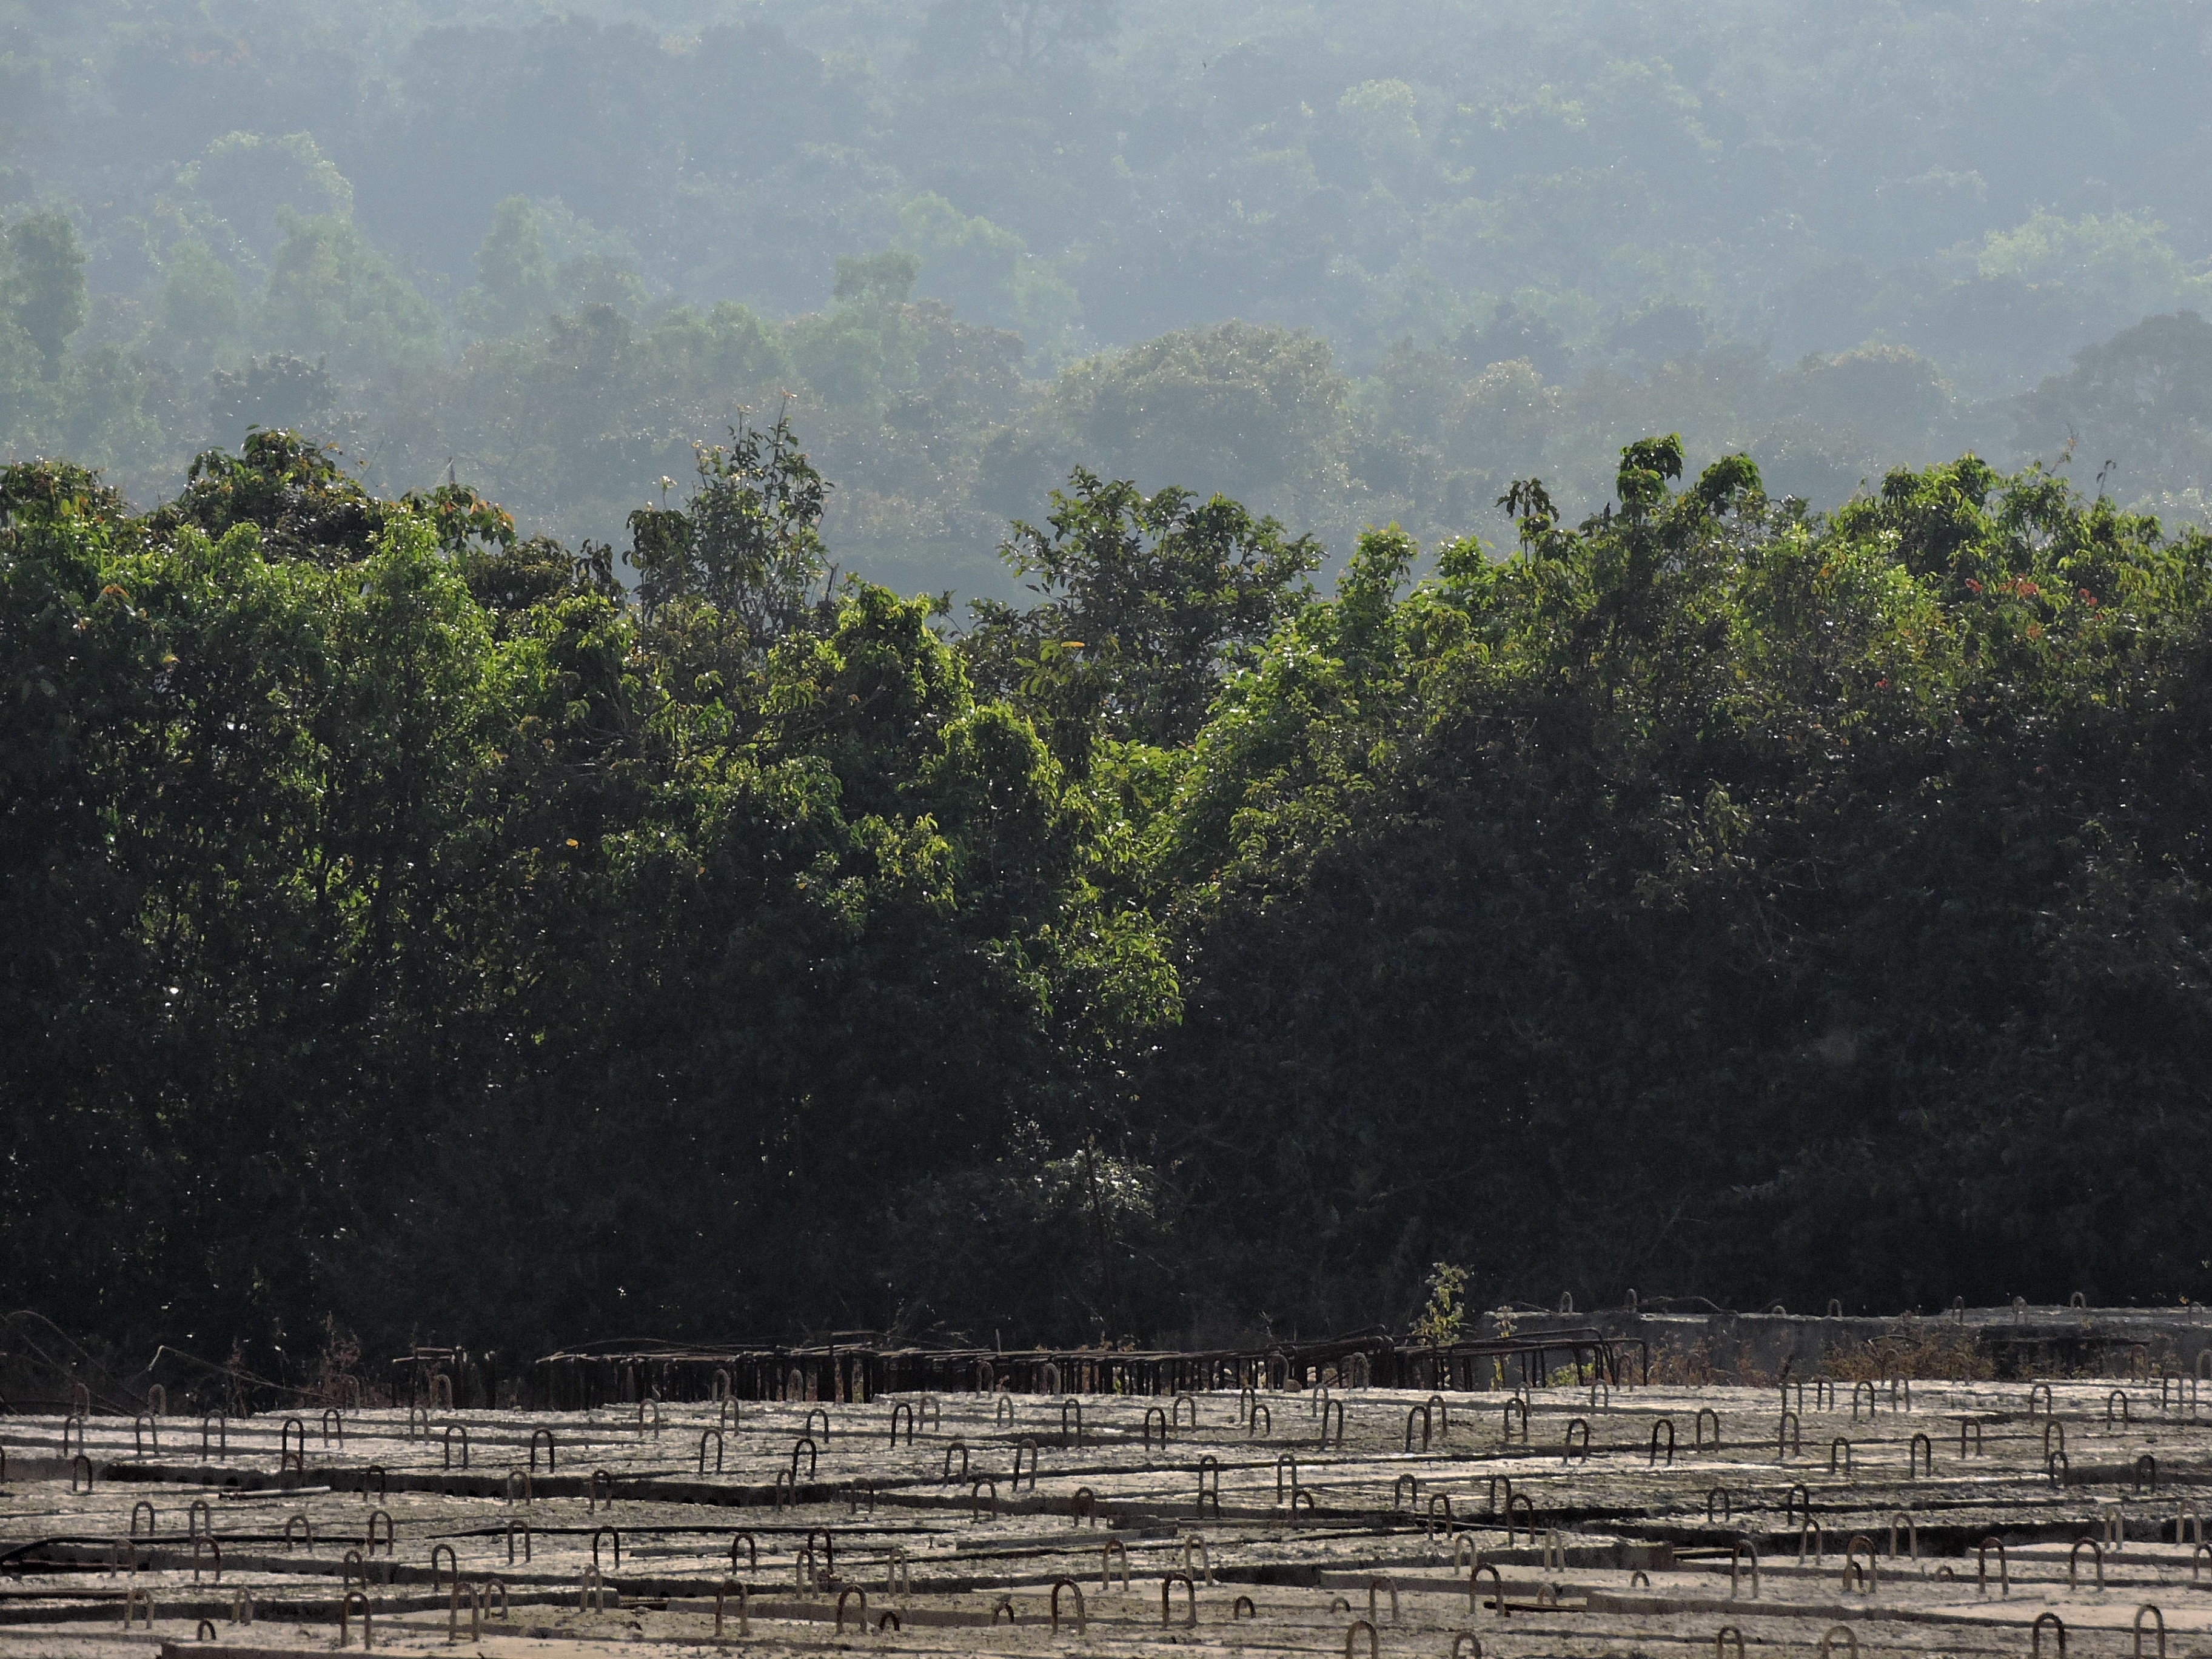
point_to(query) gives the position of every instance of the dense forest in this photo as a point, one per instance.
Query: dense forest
(1347, 265)
(415, 925)
(681, 668)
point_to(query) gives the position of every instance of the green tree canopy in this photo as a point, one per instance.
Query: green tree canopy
(43, 282)
(1146, 601)
(332, 295)
(747, 543)
(515, 278)
(1823, 897)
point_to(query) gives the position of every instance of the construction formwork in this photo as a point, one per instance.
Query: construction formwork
(585, 1379)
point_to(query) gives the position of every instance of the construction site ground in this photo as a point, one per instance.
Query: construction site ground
(1928, 1517)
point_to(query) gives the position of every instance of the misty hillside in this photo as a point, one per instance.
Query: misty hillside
(1349, 263)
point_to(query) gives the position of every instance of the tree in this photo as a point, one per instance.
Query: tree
(1019, 34)
(869, 280)
(1252, 413)
(515, 278)
(1817, 890)
(199, 300)
(1146, 602)
(240, 187)
(332, 295)
(44, 277)
(747, 542)
(2143, 399)
(985, 272)
(1529, 504)
(1565, 864)
(1647, 466)
(455, 843)
(290, 491)
(277, 392)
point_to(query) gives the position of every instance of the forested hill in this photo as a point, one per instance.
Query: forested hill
(1348, 263)
(411, 925)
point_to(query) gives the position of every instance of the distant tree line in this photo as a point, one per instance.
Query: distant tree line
(1342, 271)
(580, 398)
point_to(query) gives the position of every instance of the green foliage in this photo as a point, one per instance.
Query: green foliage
(1713, 870)
(877, 279)
(1821, 879)
(239, 189)
(1529, 504)
(1252, 410)
(514, 279)
(1445, 1316)
(200, 306)
(1799, 891)
(1646, 468)
(747, 543)
(1147, 601)
(2123, 259)
(43, 282)
(332, 295)
(292, 493)
(588, 412)
(2140, 406)
(1466, 250)
(310, 797)
(539, 257)
(984, 271)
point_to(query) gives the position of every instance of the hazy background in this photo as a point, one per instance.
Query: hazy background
(1349, 262)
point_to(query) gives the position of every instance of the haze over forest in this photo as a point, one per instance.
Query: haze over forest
(1346, 264)
(1603, 681)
